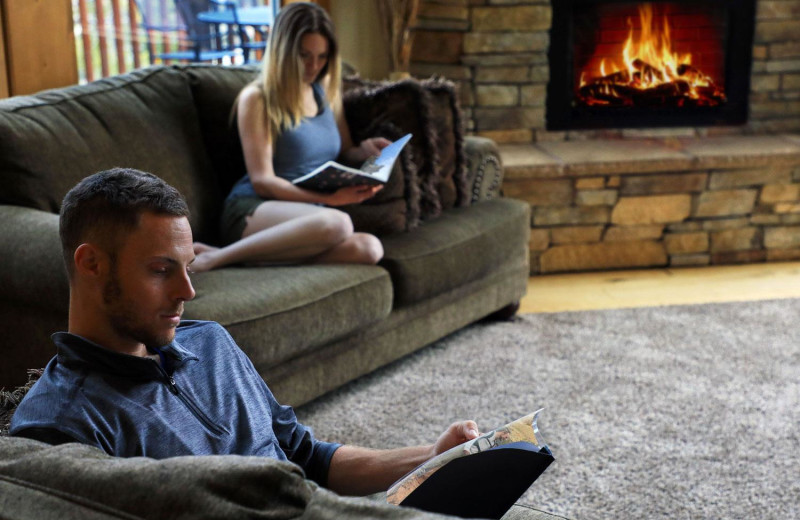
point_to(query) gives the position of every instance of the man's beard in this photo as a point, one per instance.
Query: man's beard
(122, 316)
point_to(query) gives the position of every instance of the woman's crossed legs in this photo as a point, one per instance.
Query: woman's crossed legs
(293, 232)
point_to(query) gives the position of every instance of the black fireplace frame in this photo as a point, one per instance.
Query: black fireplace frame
(562, 114)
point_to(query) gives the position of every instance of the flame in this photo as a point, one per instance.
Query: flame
(654, 47)
(649, 62)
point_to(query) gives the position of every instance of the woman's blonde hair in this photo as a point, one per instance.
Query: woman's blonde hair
(281, 76)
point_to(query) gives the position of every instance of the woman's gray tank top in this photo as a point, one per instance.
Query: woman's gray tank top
(299, 150)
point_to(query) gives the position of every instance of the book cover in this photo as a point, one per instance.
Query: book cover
(481, 478)
(376, 170)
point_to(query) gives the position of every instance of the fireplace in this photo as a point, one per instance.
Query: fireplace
(661, 63)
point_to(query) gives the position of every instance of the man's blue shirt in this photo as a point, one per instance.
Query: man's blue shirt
(206, 399)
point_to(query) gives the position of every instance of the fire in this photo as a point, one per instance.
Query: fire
(651, 73)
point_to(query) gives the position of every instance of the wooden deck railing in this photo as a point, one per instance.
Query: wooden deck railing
(109, 38)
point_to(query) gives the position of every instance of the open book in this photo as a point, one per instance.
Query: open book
(376, 170)
(481, 478)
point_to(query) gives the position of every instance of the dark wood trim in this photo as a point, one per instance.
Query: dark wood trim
(4, 88)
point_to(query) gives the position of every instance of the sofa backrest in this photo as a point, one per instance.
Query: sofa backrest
(214, 89)
(146, 119)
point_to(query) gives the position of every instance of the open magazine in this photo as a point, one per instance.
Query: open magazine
(376, 170)
(481, 478)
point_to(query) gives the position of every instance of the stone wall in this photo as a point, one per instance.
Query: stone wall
(610, 204)
(496, 50)
(627, 198)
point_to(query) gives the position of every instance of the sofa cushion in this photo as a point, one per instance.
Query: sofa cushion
(462, 245)
(145, 119)
(214, 90)
(277, 313)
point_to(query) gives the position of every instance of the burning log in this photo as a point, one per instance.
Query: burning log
(666, 94)
(648, 71)
(607, 94)
(615, 78)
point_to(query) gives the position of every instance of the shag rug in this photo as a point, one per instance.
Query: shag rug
(679, 412)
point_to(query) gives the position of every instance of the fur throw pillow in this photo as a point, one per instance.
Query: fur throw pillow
(433, 164)
(9, 399)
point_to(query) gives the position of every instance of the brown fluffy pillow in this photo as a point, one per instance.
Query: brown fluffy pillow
(428, 109)
(10, 399)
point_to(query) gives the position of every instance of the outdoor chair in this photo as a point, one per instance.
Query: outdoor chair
(250, 20)
(183, 36)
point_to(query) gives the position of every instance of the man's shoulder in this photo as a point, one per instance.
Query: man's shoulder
(45, 402)
(194, 326)
(198, 332)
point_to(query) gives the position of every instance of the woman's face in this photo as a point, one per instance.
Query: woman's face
(314, 53)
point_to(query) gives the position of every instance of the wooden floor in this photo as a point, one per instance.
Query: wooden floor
(652, 287)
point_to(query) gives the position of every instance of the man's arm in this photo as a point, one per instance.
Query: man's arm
(362, 471)
(47, 435)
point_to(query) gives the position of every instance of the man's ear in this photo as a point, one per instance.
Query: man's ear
(89, 260)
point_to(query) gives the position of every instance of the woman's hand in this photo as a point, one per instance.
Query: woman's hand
(352, 195)
(369, 148)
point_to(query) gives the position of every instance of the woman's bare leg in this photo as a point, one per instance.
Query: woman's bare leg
(280, 231)
(359, 248)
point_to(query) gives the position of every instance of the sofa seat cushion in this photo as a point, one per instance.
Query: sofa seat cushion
(277, 313)
(462, 245)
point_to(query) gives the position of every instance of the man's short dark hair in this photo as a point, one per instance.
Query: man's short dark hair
(106, 206)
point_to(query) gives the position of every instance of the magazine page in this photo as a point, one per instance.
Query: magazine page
(376, 170)
(380, 167)
(523, 429)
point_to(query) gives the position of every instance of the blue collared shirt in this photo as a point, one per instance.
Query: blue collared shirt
(206, 399)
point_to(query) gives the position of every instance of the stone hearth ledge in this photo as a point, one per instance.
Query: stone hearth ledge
(560, 159)
(625, 203)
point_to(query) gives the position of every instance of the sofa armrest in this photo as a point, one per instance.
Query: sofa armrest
(33, 267)
(484, 168)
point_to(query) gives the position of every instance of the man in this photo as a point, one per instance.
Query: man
(134, 380)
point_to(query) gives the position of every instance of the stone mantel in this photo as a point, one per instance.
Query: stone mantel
(565, 159)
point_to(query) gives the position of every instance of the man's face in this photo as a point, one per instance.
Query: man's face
(148, 282)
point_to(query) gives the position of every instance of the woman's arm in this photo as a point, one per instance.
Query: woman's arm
(257, 148)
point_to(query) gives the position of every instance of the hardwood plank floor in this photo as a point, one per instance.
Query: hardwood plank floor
(653, 287)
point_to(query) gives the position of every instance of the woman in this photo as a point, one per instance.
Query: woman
(290, 122)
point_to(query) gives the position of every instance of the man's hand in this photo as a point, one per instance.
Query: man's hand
(457, 433)
(352, 195)
(361, 471)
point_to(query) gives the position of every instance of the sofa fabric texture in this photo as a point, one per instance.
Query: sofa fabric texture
(460, 246)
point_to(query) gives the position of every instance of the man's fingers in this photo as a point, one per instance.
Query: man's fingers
(467, 429)
(471, 429)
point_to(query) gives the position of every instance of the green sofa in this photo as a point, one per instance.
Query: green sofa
(308, 329)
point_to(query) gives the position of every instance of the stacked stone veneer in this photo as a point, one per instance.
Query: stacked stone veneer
(617, 198)
(647, 203)
(496, 50)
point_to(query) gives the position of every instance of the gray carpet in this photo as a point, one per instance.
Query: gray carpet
(682, 412)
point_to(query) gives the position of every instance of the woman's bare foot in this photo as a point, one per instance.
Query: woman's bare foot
(204, 257)
(200, 247)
